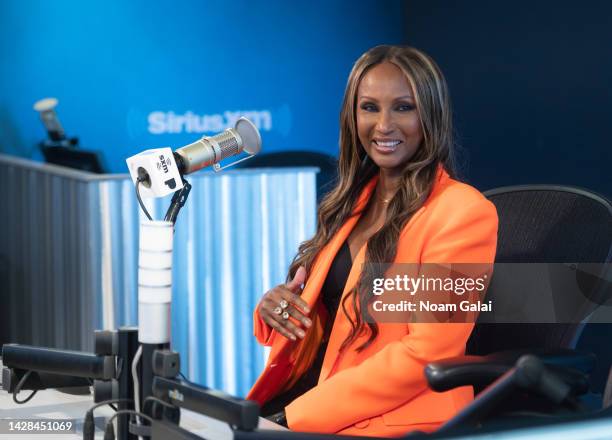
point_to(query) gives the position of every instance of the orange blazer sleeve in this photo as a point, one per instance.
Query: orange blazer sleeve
(394, 375)
(262, 331)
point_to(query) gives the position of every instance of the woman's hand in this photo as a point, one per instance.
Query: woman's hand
(282, 302)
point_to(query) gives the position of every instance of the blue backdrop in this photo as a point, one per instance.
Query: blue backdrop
(132, 75)
(530, 83)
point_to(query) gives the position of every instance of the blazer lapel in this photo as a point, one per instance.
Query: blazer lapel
(341, 327)
(322, 264)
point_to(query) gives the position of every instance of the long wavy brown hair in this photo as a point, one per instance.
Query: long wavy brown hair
(355, 170)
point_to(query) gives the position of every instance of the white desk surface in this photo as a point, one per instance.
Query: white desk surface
(54, 405)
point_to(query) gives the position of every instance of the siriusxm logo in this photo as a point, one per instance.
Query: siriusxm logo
(189, 122)
(163, 163)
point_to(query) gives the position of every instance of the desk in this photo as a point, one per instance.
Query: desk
(55, 405)
(52, 405)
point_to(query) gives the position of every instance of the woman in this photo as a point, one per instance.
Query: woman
(330, 368)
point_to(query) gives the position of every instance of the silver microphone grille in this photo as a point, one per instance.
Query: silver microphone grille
(229, 142)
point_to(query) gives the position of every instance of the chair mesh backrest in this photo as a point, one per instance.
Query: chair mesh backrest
(543, 224)
(548, 226)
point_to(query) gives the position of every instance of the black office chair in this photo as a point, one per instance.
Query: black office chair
(537, 224)
(326, 164)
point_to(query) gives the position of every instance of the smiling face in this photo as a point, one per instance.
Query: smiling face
(388, 124)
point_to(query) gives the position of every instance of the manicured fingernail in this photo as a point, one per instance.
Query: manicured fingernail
(293, 338)
(307, 309)
(301, 333)
(307, 322)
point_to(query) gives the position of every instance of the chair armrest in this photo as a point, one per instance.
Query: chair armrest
(480, 371)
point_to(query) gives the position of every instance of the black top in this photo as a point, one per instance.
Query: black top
(331, 294)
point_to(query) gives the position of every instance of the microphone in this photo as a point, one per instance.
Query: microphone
(39, 380)
(211, 150)
(46, 108)
(62, 362)
(160, 170)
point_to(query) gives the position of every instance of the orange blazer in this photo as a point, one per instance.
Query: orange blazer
(382, 391)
